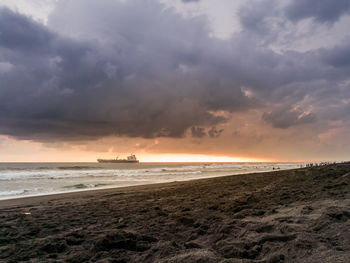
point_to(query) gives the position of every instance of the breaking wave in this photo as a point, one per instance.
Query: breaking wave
(45, 178)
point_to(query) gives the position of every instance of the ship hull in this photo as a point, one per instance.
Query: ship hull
(117, 161)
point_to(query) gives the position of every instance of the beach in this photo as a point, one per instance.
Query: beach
(299, 215)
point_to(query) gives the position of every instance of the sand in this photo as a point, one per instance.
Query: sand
(284, 216)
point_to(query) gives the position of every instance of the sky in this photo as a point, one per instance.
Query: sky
(190, 80)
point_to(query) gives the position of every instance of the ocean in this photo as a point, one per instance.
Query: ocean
(31, 179)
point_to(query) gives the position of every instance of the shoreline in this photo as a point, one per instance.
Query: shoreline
(135, 185)
(79, 192)
(297, 215)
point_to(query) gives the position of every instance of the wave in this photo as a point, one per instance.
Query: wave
(13, 192)
(82, 173)
(55, 178)
(33, 167)
(84, 186)
(79, 171)
(76, 167)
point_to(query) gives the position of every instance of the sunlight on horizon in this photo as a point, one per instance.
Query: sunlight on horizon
(195, 158)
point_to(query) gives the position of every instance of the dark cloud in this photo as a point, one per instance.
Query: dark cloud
(198, 132)
(134, 68)
(214, 132)
(284, 118)
(20, 33)
(320, 10)
(138, 79)
(190, 1)
(338, 56)
(255, 15)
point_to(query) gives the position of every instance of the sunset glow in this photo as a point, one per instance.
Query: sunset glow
(195, 158)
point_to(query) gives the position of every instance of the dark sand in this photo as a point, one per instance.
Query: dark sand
(285, 216)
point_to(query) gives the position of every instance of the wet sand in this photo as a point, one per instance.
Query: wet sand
(298, 215)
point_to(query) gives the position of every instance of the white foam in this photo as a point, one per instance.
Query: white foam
(39, 179)
(12, 192)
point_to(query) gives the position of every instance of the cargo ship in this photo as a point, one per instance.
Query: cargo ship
(130, 159)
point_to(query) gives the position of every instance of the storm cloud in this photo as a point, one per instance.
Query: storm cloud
(138, 69)
(320, 10)
(140, 83)
(284, 118)
(190, 1)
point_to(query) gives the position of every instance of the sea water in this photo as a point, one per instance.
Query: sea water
(30, 179)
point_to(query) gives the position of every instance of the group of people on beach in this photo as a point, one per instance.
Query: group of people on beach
(319, 164)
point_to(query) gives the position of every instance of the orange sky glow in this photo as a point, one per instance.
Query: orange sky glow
(28, 151)
(196, 158)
